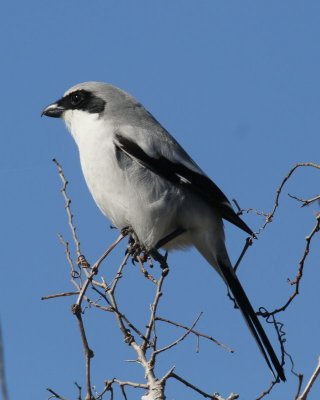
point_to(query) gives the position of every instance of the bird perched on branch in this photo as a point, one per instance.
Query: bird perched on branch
(141, 178)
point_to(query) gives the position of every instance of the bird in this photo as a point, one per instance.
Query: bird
(141, 178)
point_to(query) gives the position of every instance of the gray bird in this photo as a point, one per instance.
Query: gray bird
(141, 178)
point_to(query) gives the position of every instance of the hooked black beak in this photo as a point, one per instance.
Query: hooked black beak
(53, 110)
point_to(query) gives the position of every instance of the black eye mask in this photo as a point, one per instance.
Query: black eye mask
(82, 100)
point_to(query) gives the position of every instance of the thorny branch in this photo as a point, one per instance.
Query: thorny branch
(107, 292)
(296, 281)
(67, 207)
(270, 216)
(145, 345)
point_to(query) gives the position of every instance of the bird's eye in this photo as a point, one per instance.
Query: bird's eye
(76, 99)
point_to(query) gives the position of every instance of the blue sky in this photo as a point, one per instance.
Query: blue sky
(237, 83)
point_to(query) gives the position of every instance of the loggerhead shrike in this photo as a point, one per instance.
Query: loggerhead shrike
(140, 177)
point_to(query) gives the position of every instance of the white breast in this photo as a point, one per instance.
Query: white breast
(93, 136)
(128, 197)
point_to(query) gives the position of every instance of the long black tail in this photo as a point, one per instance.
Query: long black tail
(252, 320)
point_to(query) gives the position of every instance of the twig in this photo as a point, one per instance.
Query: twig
(145, 272)
(278, 326)
(123, 392)
(154, 306)
(197, 333)
(305, 202)
(270, 216)
(115, 310)
(107, 388)
(53, 296)
(313, 378)
(3, 381)
(76, 310)
(122, 384)
(74, 274)
(96, 266)
(156, 352)
(296, 281)
(119, 274)
(79, 391)
(213, 396)
(55, 394)
(67, 206)
(266, 392)
(132, 384)
(154, 386)
(300, 380)
(241, 210)
(297, 375)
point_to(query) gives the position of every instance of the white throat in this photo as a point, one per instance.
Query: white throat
(84, 126)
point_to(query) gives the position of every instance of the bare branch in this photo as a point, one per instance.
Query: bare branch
(241, 210)
(313, 378)
(270, 216)
(96, 266)
(76, 310)
(296, 281)
(197, 333)
(214, 396)
(53, 296)
(75, 275)
(123, 392)
(145, 272)
(154, 306)
(111, 308)
(119, 274)
(156, 352)
(143, 342)
(132, 384)
(305, 202)
(67, 206)
(55, 394)
(266, 392)
(79, 391)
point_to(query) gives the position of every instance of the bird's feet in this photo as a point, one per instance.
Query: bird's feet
(140, 254)
(135, 249)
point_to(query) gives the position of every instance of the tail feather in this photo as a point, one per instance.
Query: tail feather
(252, 320)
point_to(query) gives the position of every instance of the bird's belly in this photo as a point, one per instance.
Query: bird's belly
(131, 196)
(107, 189)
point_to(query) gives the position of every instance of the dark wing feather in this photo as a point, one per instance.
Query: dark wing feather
(179, 174)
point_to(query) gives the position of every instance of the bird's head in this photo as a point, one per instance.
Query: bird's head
(90, 103)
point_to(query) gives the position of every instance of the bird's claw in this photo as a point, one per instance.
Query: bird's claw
(136, 251)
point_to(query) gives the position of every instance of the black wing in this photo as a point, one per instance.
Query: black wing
(181, 175)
